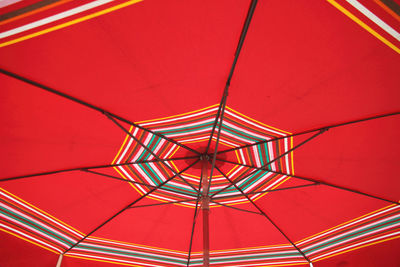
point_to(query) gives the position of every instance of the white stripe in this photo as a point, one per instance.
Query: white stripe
(236, 137)
(222, 140)
(350, 232)
(5, 3)
(194, 139)
(141, 150)
(126, 250)
(134, 246)
(31, 229)
(170, 151)
(255, 153)
(251, 249)
(288, 170)
(144, 175)
(240, 129)
(30, 237)
(271, 156)
(349, 224)
(130, 178)
(242, 156)
(53, 18)
(47, 227)
(358, 244)
(113, 259)
(155, 168)
(158, 147)
(260, 180)
(254, 124)
(269, 264)
(137, 246)
(42, 215)
(191, 133)
(375, 19)
(184, 125)
(260, 254)
(180, 118)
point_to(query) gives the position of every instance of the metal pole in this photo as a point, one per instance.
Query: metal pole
(59, 260)
(205, 206)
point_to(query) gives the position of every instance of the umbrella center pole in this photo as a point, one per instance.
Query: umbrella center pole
(205, 206)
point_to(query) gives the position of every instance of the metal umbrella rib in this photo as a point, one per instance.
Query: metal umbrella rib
(316, 181)
(272, 161)
(265, 215)
(89, 167)
(127, 207)
(91, 106)
(313, 130)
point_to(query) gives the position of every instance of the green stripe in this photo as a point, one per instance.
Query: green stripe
(155, 174)
(265, 256)
(148, 175)
(267, 154)
(158, 141)
(187, 129)
(32, 224)
(232, 131)
(182, 188)
(351, 235)
(118, 252)
(145, 150)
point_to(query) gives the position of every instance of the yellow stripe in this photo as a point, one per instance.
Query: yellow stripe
(139, 245)
(337, 226)
(39, 210)
(238, 113)
(92, 259)
(30, 241)
(69, 23)
(365, 26)
(291, 154)
(131, 184)
(123, 144)
(366, 245)
(179, 115)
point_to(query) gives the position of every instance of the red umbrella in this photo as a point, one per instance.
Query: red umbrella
(167, 133)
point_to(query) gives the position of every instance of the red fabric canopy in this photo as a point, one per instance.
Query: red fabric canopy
(310, 100)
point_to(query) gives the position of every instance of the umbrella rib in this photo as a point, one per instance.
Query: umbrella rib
(272, 161)
(91, 106)
(127, 207)
(218, 138)
(222, 105)
(265, 215)
(164, 203)
(235, 208)
(134, 182)
(312, 130)
(315, 181)
(89, 167)
(268, 191)
(148, 149)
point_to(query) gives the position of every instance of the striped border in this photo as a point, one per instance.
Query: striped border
(370, 18)
(58, 21)
(196, 126)
(31, 224)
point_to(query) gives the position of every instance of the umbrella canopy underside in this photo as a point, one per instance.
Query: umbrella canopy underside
(126, 122)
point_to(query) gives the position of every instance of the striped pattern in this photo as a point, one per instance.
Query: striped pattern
(367, 230)
(23, 220)
(27, 222)
(279, 255)
(381, 18)
(194, 128)
(33, 21)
